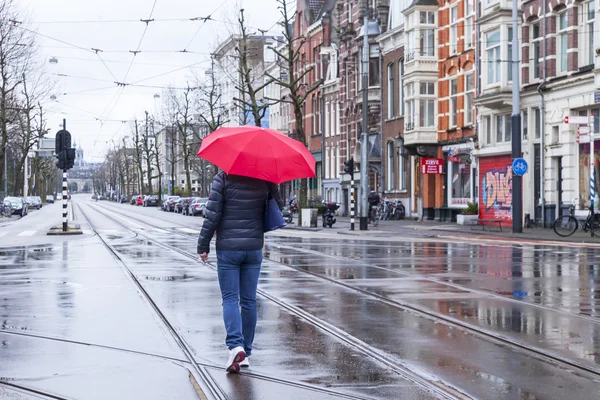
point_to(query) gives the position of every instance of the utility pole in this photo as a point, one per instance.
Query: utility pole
(517, 181)
(364, 148)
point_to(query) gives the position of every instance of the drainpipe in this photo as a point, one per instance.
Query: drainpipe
(324, 158)
(382, 175)
(477, 93)
(542, 123)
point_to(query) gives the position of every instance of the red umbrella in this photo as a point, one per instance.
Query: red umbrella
(259, 153)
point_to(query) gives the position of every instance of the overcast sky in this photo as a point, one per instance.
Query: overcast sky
(88, 94)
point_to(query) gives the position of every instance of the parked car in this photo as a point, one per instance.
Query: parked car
(151, 201)
(123, 199)
(49, 199)
(133, 200)
(18, 205)
(139, 201)
(32, 203)
(39, 201)
(169, 203)
(197, 206)
(182, 205)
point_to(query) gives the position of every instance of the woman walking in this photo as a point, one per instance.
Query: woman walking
(235, 211)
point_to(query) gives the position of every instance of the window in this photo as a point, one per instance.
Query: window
(349, 12)
(332, 119)
(348, 82)
(460, 173)
(401, 87)
(410, 106)
(525, 124)
(453, 29)
(390, 91)
(337, 162)
(487, 125)
(428, 17)
(453, 102)
(411, 45)
(537, 123)
(401, 169)
(427, 105)
(562, 42)
(588, 18)
(492, 52)
(373, 65)
(536, 39)
(314, 110)
(338, 118)
(327, 118)
(327, 162)
(468, 24)
(427, 42)
(390, 166)
(509, 64)
(503, 128)
(468, 99)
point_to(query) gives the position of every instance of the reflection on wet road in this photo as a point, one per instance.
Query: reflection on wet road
(338, 318)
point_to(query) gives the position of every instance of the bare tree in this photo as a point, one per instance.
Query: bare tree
(211, 114)
(157, 163)
(181, 107)
(290, 54)
(249, 54)
(16, 51)
(137, 148)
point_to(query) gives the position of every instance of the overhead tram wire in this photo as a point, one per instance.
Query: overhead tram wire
(185, 49)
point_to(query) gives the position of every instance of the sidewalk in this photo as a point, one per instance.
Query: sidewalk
(414, 228)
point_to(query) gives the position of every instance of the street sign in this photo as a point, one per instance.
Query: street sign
(573, 119)
(583, 130)
(432, 166)
(47, 144)
(519, 166)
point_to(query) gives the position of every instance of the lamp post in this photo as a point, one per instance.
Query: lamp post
(369, 28)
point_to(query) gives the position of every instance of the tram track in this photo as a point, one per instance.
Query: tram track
(489, 335)
(215, 390)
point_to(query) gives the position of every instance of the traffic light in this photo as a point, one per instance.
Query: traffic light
(70, 158)
(66, 159)
(62, 160)
(349, 166)
(62, 141)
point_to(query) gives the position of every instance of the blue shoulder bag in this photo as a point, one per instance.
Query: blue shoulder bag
(273, 219)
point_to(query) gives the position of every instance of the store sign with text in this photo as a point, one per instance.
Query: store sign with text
(454, 159)
(432, 166)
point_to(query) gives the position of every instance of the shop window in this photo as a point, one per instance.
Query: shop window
(460, 175)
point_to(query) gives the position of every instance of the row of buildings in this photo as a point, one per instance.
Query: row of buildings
(439, 94)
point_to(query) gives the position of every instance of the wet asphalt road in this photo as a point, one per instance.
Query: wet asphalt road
(339, 317)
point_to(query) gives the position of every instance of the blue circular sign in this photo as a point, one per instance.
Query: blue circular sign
(519, 166)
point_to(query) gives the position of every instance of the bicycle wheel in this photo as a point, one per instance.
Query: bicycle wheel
(565, 225)
(375, 218)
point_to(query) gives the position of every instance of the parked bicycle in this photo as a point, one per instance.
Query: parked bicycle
(566, 225)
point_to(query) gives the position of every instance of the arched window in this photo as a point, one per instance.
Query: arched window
(391, 89)
(390, 166)
(400, 87)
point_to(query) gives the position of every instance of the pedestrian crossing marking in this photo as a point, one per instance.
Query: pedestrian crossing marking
(3, 233)
(188, 230)
(87, 231)
(27, 233)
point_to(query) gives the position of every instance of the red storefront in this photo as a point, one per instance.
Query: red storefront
(495, 188)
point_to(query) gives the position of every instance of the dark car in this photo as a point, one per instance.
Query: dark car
(151, 201)
(123, 199)
(170, 202)
(132, 201)
(18, 205)
(197, 206)
(182, 205)
(31, 203)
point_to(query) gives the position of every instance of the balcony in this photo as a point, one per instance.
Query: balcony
(496, 98)
(415, 63)
(373, 96)
(414, 135)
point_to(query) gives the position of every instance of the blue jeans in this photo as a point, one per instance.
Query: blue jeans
(238, 278)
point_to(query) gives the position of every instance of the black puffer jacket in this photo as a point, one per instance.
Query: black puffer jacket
(235, 211)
